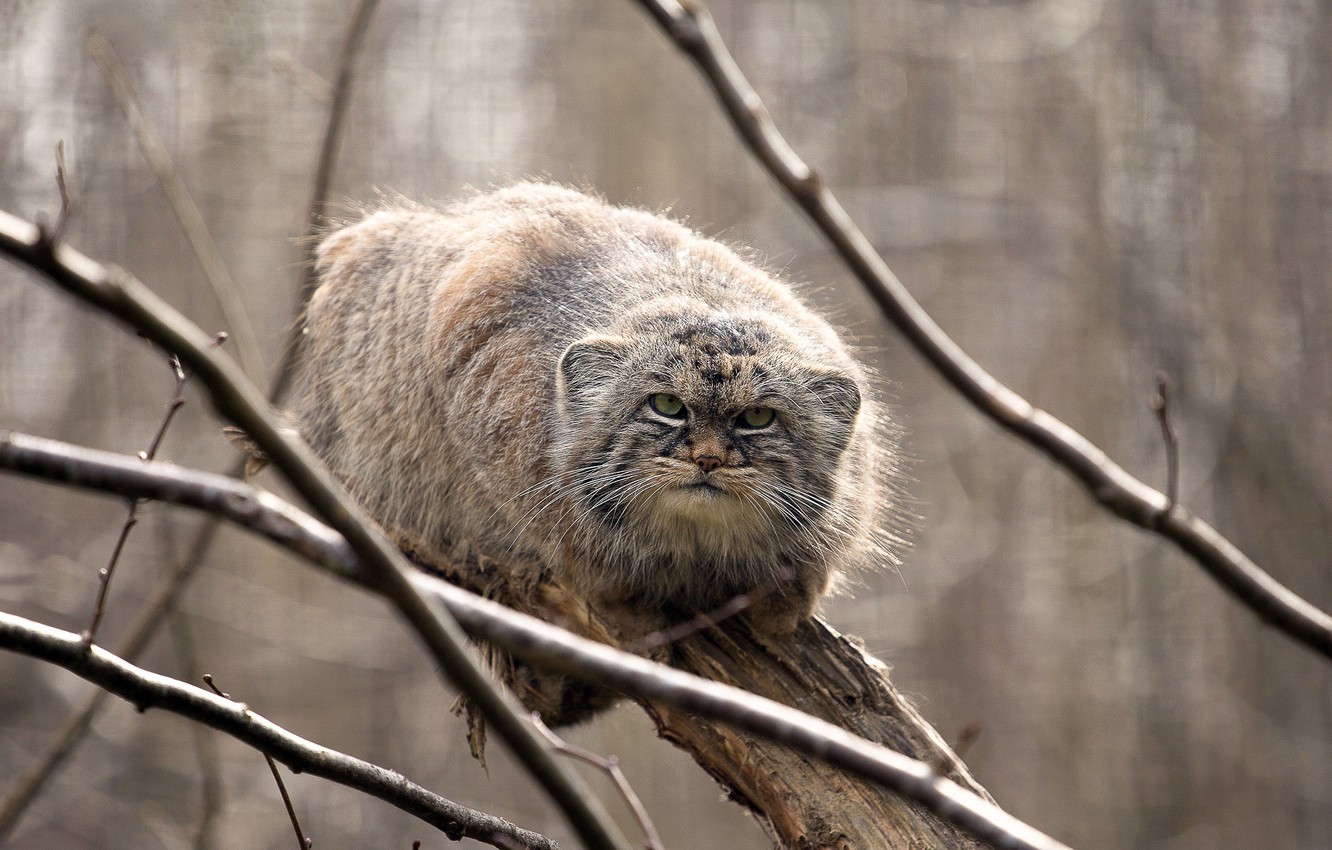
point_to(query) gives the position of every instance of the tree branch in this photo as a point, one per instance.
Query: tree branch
(132, 515)
(146, 690)
(302, 842)
(539, 642)
(114, 291)
(164, 599)
(69, 736)
(692, 29)
(610, 766)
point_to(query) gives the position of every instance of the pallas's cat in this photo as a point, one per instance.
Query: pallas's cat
(535, 376)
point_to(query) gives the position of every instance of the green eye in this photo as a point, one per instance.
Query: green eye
(667, 405)
(757, 417)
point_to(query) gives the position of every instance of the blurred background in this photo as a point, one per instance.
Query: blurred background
(1080, 192)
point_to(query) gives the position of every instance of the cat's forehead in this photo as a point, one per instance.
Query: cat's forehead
(719, 357)
(716, 336)
(703, 341)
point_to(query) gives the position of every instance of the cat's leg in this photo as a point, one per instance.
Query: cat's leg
(782, 609)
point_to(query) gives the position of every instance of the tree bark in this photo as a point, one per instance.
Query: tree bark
(803, 803)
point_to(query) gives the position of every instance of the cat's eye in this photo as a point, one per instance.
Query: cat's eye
(667, 405)
(757, 417)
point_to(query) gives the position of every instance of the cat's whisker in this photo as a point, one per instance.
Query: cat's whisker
(534, 372)
(814, 535)
(631, 489)
(571, 486)
(803, 531)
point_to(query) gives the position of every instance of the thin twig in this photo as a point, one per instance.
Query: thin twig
(693, 31)
(609, 765)
(302, 842)
(187, 213)
(1161, 406)
(532, 639)
(132, 515)
(145, 690)
(301, 839)
(120, 295)
(697, 623)
(136, 639)
(323, 178)
(105, 573)
(164, 599)
(205, 749)
(173, 407)
(66, 203)
(159, 605)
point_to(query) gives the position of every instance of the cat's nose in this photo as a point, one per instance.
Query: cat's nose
(708, 463)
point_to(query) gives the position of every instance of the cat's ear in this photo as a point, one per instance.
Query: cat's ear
(838, 393)
(589, 364)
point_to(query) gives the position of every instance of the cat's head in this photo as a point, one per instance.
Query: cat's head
(711, 435)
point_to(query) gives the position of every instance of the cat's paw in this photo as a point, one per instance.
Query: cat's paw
(777, 615)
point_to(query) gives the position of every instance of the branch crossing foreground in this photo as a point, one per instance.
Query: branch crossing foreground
(349, 546)
(540, 642)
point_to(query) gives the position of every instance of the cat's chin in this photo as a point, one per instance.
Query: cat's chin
(703, 504)
(703, 489)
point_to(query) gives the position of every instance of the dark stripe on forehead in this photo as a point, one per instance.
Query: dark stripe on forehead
(711, 375)
(715, 336)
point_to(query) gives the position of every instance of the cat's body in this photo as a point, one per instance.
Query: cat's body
(537, 376)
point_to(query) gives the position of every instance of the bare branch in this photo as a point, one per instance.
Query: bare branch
(526, 636)
(66, 203)
(162, 602)
(611, 767)
(258, 510)
(145, 690)
(1161, 406)
(693, 31)
(114, 291)
(698, 622)
(173, 406)
(182, 204)
(301, 839)
(205, 748)
(105, 573)
(132, 516)
(67, 740)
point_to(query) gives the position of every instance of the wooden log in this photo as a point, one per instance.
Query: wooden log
(803, 803)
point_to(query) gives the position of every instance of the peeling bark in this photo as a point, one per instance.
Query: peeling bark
(804, 804)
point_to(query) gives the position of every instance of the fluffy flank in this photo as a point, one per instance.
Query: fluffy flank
(534, 372)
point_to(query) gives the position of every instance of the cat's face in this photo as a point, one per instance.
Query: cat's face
(705, 436)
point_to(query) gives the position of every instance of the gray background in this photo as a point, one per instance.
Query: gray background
(1081, 192)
